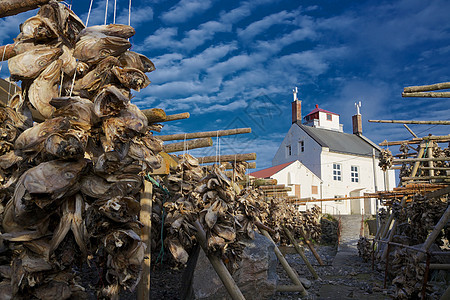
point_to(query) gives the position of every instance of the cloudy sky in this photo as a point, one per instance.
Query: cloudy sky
(234, 63)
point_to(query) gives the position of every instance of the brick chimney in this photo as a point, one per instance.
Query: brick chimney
(296, 108)
(357, 120)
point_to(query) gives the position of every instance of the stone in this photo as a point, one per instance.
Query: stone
(305, 282)
(256, 276)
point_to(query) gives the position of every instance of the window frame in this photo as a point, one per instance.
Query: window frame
(301, 146)
(337, 172)
(329, 117)
(288, 150)
(354, 174)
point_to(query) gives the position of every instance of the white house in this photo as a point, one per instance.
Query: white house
(319, 160)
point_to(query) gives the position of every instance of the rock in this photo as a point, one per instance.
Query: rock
(256, 276)
(305, 282)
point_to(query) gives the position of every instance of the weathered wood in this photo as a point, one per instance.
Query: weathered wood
(154, 115)
(411, 122)
(438, 193)
(311, 247)
(229, 166)
(406, 160)
(14, 7)
(6, 52)
(426, 88)
(410, 131)
(438, 139)
(426, 177)
(300, 252)
(393, 229)
(175, 117)
(430, 163)
(227, 158)
(279, 190)
(188, 145)
(435, 168)
(265, 227)
(194, 135)
(436, 231)
(428, 94)
(145, 217)
(417, 163)
(290, 272)
(218, 265)
(273, 187)
(262, 182)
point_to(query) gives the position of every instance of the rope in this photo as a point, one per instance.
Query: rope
(114, 18)
(73, 82)
(61, 83)
(3, 57)
(89, 13)
(106, 11)
(166, 193)
(129, 14)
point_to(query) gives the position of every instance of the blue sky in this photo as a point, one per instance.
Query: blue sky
(234, 63)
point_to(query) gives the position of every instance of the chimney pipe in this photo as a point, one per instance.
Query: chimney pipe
(357, 120)
(296, 108)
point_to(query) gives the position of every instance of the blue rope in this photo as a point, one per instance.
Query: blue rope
(166, 193)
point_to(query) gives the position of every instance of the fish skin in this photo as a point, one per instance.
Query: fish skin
(117, 30)
(131, 78)
(93, 48)
(96, 78)
(79, 111)
(38, 29)
(110, 101)
(32, 138)
(130, 59)
(44, 88)
(30, 64)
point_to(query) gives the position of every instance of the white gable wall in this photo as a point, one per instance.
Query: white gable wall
(301, 175)
(327, 124)
(310, 157)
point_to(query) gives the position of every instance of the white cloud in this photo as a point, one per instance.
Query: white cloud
(185, 9)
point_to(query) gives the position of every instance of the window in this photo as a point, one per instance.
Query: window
(329, 117)
(301, 147)
(354, 174)
(337, 174)
(288, 150)
(314, 190)
(340, 200)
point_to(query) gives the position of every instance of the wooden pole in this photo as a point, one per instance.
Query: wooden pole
(154, 115)
(417, 163)
(404, 160)
(194, 135)
(14, 7)
(188, 145)
(6, 52)
(145, 217)
(300, 252)
(430, 163)
(394, 227)
(410, 131)
(411, 122)
(426, 88)
(229, 166)
(273, 187)
(175, 117)
(428, 95)
(311, 247)
(227, 158)
(227, 280)
(436, 231)
(290, 272)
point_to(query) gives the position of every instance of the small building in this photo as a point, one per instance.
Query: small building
(319, 160)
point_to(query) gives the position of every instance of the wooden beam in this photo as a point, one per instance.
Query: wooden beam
(278, 190)
(438, 193)
(426, 88)
(425, 177)
(154, 115)
(175, 117)
(14, 7)
(428, 94)
(406, 160)
(410, 131)
(188, 145)
(443, 139)
(411, 122)
(311, 247)
(6, 52)
(194, 135)
(218, 265)
(273, 187)
(145, 217)
(227, 158)
(229, 166)
(436, 231)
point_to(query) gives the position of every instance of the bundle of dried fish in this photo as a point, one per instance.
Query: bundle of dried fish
(364, 248)
(385, 159)
(75, 178)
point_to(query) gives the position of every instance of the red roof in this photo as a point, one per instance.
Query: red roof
(320, 109)
(265, 173)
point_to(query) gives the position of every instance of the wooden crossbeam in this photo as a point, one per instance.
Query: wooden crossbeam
(193, 135)
(427, 88)
(411, 122)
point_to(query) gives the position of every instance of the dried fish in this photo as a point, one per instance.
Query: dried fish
(118, 30)
(130, 59)
(131, 78)
(30, 64)
(92, 48)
